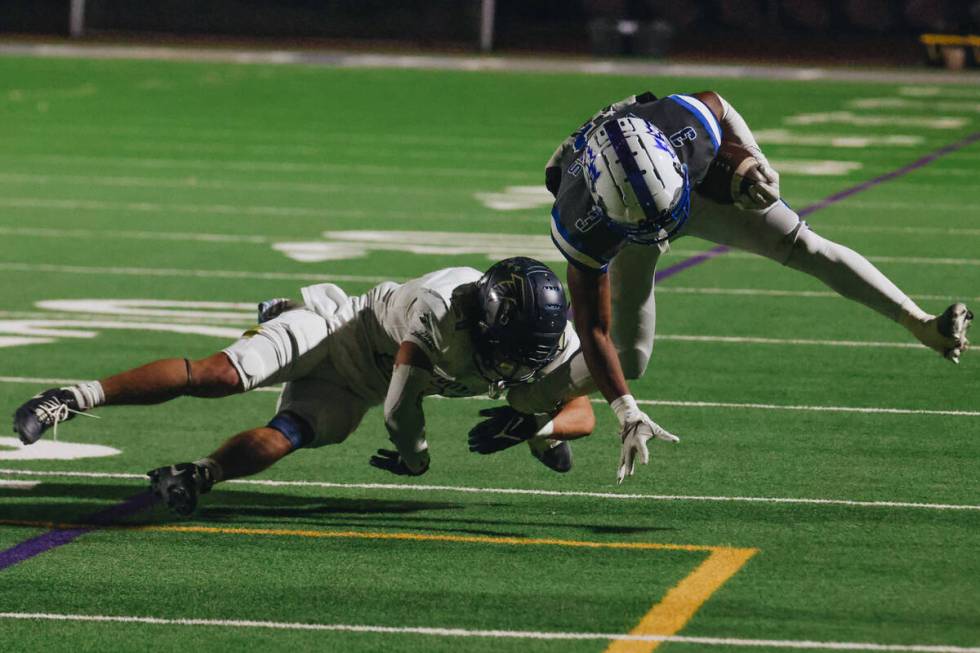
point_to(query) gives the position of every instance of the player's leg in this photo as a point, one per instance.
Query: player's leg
(244, 454)
(631, 281)
(779, 234)
(152, 383)
(276, 351)
(312, 413)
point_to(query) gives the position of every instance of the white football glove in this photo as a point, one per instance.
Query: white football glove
(765, 191)
(634, 433)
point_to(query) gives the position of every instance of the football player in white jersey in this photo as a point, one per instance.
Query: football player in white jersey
(454, 332)
(623, 189)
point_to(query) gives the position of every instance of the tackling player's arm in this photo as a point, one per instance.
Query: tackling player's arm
(734, 129)
(403, 414)
(576, 419)
(504, 427)
(591, 297)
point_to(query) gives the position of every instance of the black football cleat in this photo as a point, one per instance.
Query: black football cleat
(553, 454)
(180, 485)
(44, 410)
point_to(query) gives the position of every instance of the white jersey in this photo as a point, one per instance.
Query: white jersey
(367, 332)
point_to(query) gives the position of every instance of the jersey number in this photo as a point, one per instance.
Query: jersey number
(687, 134)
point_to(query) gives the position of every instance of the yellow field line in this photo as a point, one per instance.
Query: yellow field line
(666, 618)
(367, 535)
(684, 599)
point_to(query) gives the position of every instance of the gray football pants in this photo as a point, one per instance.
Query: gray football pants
(776, 233)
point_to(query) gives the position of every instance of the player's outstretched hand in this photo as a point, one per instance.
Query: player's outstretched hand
(390, 461)
(503, 428)
(634, 433)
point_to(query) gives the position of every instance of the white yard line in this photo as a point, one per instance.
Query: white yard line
(259, 239)
(74, 205)
(490, 634)
(305, 276)
(348, 170)
(939, 91)
(908, 260)
(753, 340)
(949, 106)
(436, 145)
(862, 120)
(191, 182)
(18, 485)
(237, 211)
(99, 234)
(180, 272)
(404, 487)
(763, 292)
(788, 137)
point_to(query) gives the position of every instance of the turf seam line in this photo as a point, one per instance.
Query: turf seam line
(921, 162)
(490, 634)
(643, 402)
(399, 487)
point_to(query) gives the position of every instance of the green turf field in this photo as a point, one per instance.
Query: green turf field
(179, 182)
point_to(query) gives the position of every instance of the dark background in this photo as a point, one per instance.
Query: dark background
(884, 30)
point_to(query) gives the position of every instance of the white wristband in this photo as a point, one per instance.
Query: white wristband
(625, 408)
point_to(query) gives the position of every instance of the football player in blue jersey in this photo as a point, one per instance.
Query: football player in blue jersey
(624, 186)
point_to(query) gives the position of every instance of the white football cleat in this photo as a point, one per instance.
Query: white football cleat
(946, 333)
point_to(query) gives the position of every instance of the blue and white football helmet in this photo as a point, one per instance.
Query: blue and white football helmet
(637, 180)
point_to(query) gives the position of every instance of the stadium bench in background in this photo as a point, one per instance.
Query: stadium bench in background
(951, 51)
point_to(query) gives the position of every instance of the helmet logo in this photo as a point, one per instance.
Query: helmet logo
(510, 302)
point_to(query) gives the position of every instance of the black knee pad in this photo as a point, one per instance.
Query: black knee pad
(294, 428)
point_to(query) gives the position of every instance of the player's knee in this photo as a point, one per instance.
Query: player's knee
(214, 376)
(807, 246)
(295, 430)
(634, 362)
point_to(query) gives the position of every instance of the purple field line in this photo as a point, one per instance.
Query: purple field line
(830, 200)
(56, 537)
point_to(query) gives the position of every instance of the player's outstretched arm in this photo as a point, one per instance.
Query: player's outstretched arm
(404, 418)
(591, 299)
(593, 316)
(503, 426)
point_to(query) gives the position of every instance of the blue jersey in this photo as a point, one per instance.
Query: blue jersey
(578, 227)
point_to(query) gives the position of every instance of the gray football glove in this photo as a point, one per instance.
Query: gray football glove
(634, 433)
(765, 191)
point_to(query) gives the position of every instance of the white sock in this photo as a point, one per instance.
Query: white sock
(217, 474)
(88, 395)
